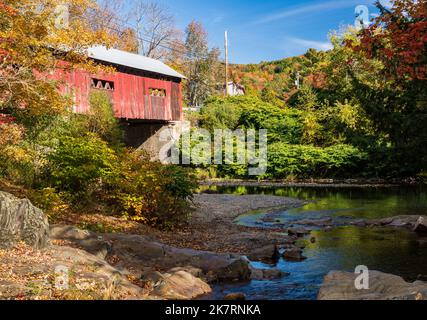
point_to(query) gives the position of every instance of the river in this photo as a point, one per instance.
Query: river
(391, 250)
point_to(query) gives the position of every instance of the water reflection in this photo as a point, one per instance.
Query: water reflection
(353, 202)
(396, 251)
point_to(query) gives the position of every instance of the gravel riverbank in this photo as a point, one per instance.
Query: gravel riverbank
(210, 207)
(313, 183)
(212, 226)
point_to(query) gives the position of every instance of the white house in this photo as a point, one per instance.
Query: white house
(235, 89)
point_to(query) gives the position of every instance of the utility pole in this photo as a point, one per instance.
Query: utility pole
(226, 62)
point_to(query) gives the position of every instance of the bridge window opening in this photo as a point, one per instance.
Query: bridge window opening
(157, 92)
(102, 84)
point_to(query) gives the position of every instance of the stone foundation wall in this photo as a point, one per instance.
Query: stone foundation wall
(150, 136)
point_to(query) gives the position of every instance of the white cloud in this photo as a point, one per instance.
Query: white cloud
(387, 3)
(301, 10)
(307, 44)
(218, 19)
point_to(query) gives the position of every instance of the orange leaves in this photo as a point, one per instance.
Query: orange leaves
(7, 9)
(32, 41)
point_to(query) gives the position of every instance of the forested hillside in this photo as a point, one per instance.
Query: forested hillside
(276, 79)
(358, 110)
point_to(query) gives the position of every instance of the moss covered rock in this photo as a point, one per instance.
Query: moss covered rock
(21, 221)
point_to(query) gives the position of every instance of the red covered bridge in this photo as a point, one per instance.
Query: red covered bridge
(142, 88)
(146, 94)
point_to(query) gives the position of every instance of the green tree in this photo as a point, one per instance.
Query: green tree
(269, 95)
(200, 66)
(101, 119)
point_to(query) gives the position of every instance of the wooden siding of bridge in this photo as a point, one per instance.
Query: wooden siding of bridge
(131, 95)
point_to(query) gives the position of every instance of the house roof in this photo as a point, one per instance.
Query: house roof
(132, 60)
(230, 83)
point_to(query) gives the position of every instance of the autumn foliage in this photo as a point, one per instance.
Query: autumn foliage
(32, 44)
(398, 38)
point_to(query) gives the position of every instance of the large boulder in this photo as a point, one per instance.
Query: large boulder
(83, 239)
(236, 269)
(21, 221)
(294, 254)
(64, 273)
(235, 296)
(338, 285)
(176, 284)
(138, 253)
(299, 232)
(267, 274)
(266, 253)
(94, 276)
(421, 225)
(216, 267)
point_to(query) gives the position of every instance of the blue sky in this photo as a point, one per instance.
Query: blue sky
(270, 29)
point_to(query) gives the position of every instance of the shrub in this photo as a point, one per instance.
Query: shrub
(220, 113)
(10, 134)
(287, 129)
(152, 193)
(16, 159)
(79, 165)
(282, 124)
(49, 201)
(100, 119)
(269, 95)
(305, 161)
(84, 169)
(252, 113)
(286, 161)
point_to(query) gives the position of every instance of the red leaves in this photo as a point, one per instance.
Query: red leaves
(6, 119)
(388, 53)
(401, 42)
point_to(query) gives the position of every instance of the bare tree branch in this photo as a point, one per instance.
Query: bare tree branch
(154, 26)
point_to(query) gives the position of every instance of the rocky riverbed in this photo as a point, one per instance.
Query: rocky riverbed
(149, 264)
(135, 266)
(213, 226)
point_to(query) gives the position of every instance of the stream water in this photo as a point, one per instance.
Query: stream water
(390, 250)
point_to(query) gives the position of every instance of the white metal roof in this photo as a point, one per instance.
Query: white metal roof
(132, 60)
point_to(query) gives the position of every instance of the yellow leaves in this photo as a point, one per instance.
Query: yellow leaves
(137, 209)
(16, 154)
(10, 138)
(50, 202)
(311, 128)
(10, 134)
(348, 114)
(20, 255)
(33, 47)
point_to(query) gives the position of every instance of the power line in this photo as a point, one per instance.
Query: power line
(149, 41)
(142, 39)
(184, 53)
(135, 27)
(139, 37)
